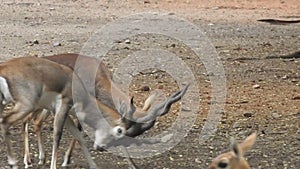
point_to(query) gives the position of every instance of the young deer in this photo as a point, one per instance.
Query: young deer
(31, 83)
(137, 123)
(235, 158)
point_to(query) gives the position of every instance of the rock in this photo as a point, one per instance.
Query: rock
(173, 45)
(35, 42)
(145, 88)
(198, 161)
(243, 102)
(56, 44)
(146, 2)
(296, 98)
(285, 77)
(248, 114)
(256, 86)
(127, 41)
(294, 80)
(275, 114)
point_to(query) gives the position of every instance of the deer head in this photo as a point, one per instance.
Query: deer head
(235, 158)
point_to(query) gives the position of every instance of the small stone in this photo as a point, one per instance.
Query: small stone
(296, 98)
(294, 80)
(127, 41)
(56, 44)
(248, 114)
(198, 161)
(256, 86)
(275, 114)
(243, 102)
(145, 88)
(35, 42)
(285, 77)
(146, 2)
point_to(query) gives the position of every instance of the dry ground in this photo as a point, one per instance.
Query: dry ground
(253, 53)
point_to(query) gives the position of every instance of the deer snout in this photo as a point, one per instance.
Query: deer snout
(100, 147)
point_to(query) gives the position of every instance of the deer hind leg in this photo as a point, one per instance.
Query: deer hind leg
(37, 129)
(67, 157)
(17, 113)
(27, 159)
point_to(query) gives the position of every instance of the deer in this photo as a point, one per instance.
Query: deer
(110, 94)
(142, 120)
(235, 158)
(31, 83)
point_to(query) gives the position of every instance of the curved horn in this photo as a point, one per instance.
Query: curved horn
(163, 107)
(137, 129)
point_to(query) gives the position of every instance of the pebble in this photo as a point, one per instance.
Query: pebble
(248, 114)
(256, 86)
(285, 77)
(127, 41)
(145, 88)
(275, 115)
(198, 161)
(56, 44)
(296, 98)
(35, 42)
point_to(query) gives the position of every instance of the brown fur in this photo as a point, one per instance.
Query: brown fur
(235, 158)
(107, 92)
(28, 78)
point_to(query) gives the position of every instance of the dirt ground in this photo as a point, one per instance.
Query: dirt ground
(261, 63)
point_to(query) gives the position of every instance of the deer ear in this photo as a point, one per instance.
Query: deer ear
(248, 143)
(240, 149)
(123, 110)
(235, 148)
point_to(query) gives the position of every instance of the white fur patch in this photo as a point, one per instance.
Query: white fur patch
(5, 91)
(118, 132)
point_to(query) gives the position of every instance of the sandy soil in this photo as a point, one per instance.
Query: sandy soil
(261, 63)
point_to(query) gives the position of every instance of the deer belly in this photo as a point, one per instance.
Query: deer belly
(50, 100)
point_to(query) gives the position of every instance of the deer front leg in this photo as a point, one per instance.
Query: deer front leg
(27, 159)
(78, 136)
(67, 157)
(61, 113)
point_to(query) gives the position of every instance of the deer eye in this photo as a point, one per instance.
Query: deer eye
(222, 164)
(119, 131)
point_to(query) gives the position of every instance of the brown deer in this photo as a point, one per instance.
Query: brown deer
(235, 158)
(142, 119)
(31, 83)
